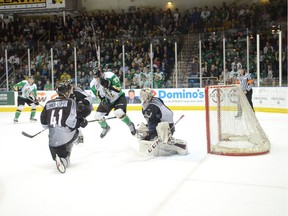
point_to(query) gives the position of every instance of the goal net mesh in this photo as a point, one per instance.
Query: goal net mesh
(232, 127)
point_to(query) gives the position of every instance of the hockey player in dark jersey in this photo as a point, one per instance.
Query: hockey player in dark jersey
(59, 116)
(107, 87)
(159, 128)
(84, 104)
(83, 100)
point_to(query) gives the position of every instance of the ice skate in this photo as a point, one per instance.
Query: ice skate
(60, 165)
(132, 128)
(104, 131)
(15, 120)
(32, 119)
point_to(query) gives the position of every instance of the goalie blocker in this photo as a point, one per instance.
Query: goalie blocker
(166, 144)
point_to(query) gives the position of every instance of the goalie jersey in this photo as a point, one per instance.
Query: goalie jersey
(155, 111)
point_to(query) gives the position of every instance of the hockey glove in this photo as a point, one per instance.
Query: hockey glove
(105, 83)
(81, 122)
(84, 123)
(142, 131)
(36, 102)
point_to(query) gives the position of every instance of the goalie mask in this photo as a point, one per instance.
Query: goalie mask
(146, 94)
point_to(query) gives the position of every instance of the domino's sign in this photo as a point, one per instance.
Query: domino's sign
(181, 96)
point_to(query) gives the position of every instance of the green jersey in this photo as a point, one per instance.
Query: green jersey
(111, 94)
(26, 90)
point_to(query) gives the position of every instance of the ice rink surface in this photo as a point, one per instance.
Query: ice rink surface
(108, 177)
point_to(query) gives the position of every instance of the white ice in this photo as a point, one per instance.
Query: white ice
(108, 177)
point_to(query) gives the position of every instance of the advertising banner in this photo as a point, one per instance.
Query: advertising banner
(29, 4)
(55, 4)
(7, 98)
(22, 4)
(265, 99)
(276, 97)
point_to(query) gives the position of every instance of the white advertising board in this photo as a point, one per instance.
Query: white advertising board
(267, 99)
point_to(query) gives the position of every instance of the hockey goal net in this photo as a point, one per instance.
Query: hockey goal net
(232, 127)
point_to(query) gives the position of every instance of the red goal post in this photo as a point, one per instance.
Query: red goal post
(231, 124)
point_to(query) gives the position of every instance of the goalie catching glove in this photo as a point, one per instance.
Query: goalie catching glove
(143, 133)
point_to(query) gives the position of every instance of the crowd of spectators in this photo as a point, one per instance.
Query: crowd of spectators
(136, 30)
(240, 22)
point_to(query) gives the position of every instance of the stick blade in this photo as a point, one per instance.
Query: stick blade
(27, 135)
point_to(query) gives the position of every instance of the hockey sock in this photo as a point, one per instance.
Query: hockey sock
(126, 120)
(103, 124)
(33, 112)
(17, 114)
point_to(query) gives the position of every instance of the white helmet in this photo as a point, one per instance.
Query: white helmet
(146, 94)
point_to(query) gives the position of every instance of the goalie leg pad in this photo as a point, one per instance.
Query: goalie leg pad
(178, 147)
(163, 131)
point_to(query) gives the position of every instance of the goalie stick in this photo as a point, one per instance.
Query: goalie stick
(31, 136)
(156, 142)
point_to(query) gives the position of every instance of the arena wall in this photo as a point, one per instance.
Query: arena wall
(265, 99)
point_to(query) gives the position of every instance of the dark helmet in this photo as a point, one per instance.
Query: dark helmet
(63, 89)
(97, 72)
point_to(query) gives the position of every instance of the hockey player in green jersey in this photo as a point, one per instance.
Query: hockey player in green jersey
(27, 93)
(107, 87)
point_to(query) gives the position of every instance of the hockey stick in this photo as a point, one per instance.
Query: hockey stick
(34, 102)
(156, 142)
(31, 136)
(97, 120)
